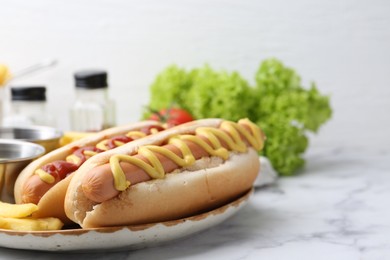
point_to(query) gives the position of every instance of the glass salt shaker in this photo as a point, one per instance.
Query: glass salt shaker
(93, 110)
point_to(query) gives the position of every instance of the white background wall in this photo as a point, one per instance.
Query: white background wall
(344, 46)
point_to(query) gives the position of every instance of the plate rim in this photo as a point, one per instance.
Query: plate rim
(139, 227)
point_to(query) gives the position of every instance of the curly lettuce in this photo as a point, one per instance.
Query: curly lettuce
(217, 94)
(202, 91)
(278, 103)
(169, 87)
(287, 112)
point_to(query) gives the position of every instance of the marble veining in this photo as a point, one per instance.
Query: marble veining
(337, 207)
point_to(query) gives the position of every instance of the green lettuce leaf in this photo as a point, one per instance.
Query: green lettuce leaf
(278, 103)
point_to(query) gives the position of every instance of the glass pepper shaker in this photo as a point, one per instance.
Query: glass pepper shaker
(28, 107)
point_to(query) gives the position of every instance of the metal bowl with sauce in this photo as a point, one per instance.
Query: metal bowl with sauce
(48, 137)
(14, 156)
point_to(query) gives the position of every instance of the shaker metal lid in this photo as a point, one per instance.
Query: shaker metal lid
(91, 79)
(28, 93)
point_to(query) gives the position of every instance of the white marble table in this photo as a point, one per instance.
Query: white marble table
(336, 208)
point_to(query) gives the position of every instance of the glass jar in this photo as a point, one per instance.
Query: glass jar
(93, 110)
(28, 107)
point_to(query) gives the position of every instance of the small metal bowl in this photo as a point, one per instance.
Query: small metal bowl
(48, 137)
(14, 156)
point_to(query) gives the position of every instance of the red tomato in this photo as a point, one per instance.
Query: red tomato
(172, 116)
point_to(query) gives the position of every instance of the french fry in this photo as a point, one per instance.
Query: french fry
(5, 75)
(17, 210)
(70, 136)
(16, 217)
(29, 224)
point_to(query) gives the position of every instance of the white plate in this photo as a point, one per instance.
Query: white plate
(117, 238)
(267, 174)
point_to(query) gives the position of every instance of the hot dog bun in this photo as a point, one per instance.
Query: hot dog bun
(50, 205)
(208, 183)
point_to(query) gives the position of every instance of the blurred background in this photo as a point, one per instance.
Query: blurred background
(343, 46)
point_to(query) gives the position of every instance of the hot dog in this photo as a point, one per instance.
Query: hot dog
(45, 180)
(176, 173)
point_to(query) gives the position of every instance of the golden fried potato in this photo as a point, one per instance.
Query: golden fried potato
(17, 210)
(17, 217)
(29, 224)
(69, 137)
